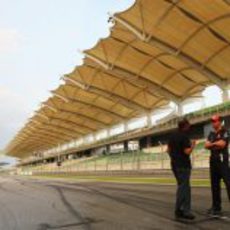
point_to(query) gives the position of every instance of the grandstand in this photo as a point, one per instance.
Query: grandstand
(147, 64)
(149, 158)
(154, 158)
(94, 154)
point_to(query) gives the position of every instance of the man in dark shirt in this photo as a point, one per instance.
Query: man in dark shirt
(217, 143)
(179, 148)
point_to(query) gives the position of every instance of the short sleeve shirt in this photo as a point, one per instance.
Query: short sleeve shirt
(217, 154)
(178, 142)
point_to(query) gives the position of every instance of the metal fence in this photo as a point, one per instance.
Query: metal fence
(129, 161)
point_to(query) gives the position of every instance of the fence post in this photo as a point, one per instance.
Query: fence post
(138, 161)
(133, 159)
(121, 165)
(95, 165)
(86, 165)
(162, 155)
(107, 163)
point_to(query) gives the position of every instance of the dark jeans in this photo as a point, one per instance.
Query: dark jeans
(183, 195)
(219, 171)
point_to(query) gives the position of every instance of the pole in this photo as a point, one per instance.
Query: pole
(162, 155)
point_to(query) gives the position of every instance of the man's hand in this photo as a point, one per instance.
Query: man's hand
(215, 145)
(193, 144)
(220, 144)
(209, 145)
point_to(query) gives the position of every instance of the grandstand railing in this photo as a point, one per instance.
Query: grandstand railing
(149, 159)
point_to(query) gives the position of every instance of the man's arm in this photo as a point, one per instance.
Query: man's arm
(209, 145)
(189, 150)
(221, 144)
(215, 145)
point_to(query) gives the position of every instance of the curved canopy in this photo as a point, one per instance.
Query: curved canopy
(158, 51)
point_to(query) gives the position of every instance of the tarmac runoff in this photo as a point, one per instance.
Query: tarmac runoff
(29, 203)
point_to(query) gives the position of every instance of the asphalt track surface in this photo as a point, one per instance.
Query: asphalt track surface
(32, 204)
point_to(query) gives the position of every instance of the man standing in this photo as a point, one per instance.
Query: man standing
(217, 143)
(179, 148)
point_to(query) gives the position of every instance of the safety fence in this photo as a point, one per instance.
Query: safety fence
(149, 159)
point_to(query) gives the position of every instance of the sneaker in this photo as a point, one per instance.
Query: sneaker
(214, 212)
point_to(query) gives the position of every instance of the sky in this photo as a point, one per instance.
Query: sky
(39, 42)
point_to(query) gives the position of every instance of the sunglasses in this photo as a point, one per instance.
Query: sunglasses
(215, 121)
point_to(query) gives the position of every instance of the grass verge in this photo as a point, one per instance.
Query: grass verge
(125, 179)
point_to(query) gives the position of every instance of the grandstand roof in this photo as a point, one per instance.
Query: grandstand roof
(158, 51)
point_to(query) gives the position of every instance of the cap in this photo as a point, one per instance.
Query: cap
(215, 118)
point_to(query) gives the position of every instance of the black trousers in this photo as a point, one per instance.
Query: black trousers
(218, 171)
(183, 194)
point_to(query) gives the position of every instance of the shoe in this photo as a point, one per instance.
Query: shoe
(214, 212)
(178, 213)
(188, 216)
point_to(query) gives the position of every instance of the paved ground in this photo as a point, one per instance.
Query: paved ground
(31, 204)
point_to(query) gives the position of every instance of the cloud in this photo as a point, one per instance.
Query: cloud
(14, 113)
(10, 40)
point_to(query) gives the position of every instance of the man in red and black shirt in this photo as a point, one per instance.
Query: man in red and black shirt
(217, 143)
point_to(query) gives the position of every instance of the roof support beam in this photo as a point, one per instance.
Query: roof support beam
(65, 129)
(56, 130)
(69, 130)
(108, 95)
(97, 108)
(216, 79)
(30, 144)
(74, 124)
(42, 116)
(137, 83)
(36, 146)
(41, 141)
(45, 135)
(144, 81)
(50, 107)
(50, 133)
(64, 99)
(28, 136)
(83, 116)
(68, 121)
(36, 140)
(32, 147)
(140, 35)
(94, 120)
(52, 125)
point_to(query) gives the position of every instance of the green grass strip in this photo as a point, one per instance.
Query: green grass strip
(121, 179)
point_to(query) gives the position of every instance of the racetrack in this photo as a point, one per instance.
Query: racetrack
(35, 204)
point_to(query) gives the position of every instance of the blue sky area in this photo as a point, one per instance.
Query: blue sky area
(39, 42)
